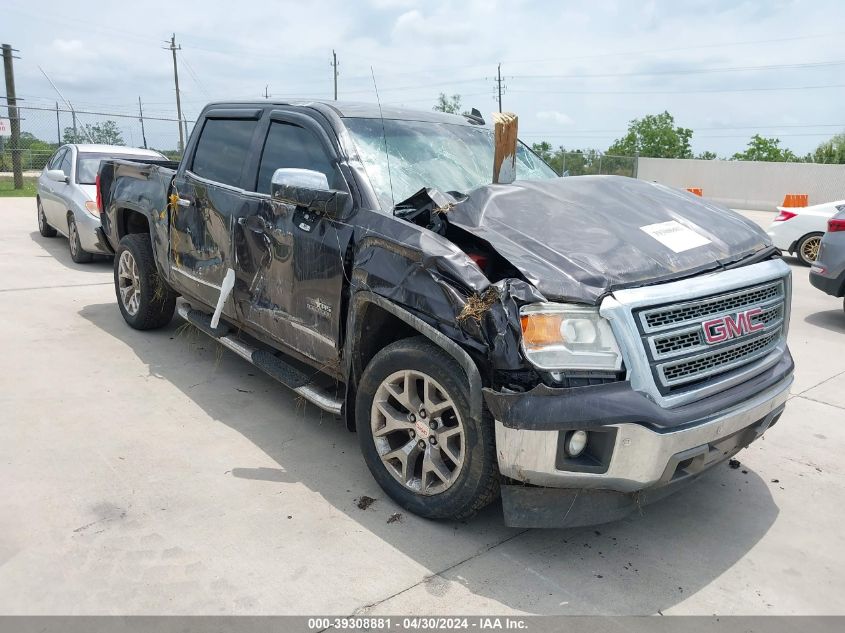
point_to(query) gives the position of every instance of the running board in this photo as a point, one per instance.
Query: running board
(266, 361)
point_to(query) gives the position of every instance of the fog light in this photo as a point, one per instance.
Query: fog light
(576, 443)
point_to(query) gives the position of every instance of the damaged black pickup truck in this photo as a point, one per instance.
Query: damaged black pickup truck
(582, 345)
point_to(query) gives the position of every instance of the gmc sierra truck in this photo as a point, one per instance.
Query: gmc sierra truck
(581, 346)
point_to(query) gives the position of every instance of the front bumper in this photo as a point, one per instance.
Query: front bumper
(90, 233)
(645, 461)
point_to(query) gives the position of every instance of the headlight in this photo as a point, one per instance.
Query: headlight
(91, 207)
(565, 336)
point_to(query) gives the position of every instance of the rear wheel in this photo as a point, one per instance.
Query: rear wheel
(808, 248)
(417, 436)
(76, 253)
(144, 298)
(45, 229)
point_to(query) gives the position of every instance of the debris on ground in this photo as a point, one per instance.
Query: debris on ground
(396, 517)
(734, 463)
(244, 390)
(365, 502)
(744, 472)
(775, 481)
(478, 304)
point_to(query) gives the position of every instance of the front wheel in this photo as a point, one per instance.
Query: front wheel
(808, 248)
(76, 253)
(144, 298)
(417, 436)
(43, 228)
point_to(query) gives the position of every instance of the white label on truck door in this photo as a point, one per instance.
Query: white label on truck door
(675, 236)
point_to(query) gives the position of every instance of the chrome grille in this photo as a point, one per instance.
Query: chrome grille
(705, 365)
(677, 350)
(670, 316)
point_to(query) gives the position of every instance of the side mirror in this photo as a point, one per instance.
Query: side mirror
(56, 175)
(310, 189)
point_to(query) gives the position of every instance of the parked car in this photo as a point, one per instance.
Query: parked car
(828, 271)
(799, 230)
(66, 194)
(582, 345)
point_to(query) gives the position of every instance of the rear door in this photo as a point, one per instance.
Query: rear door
(209, 195)
(290, 275)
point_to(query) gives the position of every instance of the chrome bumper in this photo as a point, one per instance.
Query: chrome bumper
(641, 457)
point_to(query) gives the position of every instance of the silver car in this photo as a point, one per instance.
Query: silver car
(67, 195)
(828, 271)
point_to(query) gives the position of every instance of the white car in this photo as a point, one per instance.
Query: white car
(798, 230)
(66, 194)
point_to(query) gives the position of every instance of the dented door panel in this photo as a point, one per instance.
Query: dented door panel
(290, 276)
(201, 222)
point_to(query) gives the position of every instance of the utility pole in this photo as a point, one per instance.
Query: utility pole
(334, 71)
(267, 91)
(173, 48)
(141, 119)
(14, 115)
(58, 126)
(499, 85)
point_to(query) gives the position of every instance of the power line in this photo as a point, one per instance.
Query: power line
(678, 92)
(688, 71)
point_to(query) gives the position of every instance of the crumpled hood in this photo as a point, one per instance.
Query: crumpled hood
(578, 238)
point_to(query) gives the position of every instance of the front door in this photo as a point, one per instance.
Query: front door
(207, 197)
(290, 275)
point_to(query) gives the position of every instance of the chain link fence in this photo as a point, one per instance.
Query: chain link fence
(44, 129)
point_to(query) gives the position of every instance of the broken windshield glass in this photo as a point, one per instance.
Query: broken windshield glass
(444, 156)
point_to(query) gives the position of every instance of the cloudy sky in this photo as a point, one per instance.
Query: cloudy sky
(576, 73)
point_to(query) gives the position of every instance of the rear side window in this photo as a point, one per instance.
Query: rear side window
(289, 145)
(223, 149)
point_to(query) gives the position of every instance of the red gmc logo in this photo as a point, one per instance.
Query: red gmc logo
(728, 327)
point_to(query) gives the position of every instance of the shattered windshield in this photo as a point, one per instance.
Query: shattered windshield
(442, 156)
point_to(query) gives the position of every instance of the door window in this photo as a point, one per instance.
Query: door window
(289, 145)
(223, 149)
(65, 166)
(57, 158)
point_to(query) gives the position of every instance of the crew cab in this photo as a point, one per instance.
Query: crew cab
(581, 346)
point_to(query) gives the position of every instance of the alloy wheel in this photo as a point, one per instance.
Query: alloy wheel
(418, 432)
(73, 238)
(810, 248)
(129, 283)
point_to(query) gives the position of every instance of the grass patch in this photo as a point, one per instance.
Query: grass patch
(7, 187)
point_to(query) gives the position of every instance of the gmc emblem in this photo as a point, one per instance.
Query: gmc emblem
(728, 327)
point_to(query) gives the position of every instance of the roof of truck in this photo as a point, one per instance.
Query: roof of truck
(356, 109)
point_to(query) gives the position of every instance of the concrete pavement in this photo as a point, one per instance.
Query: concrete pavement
(149, 473)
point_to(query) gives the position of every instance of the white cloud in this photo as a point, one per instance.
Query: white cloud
(413, 24)
(561, 118)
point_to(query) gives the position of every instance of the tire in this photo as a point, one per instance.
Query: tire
(45, 229)
(467, 456)
(76, 253)
(144, 298)
(807, 249)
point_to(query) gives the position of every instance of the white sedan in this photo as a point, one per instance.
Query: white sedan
(799, 230)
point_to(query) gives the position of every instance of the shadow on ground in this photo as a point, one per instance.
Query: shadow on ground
(833, 320)
(57, 248)
(641, 565)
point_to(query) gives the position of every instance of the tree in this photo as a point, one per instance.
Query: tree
(766, 149)
(708, 155)
(654, 136)
(832, 151)
(106, 133)
(449, 105)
